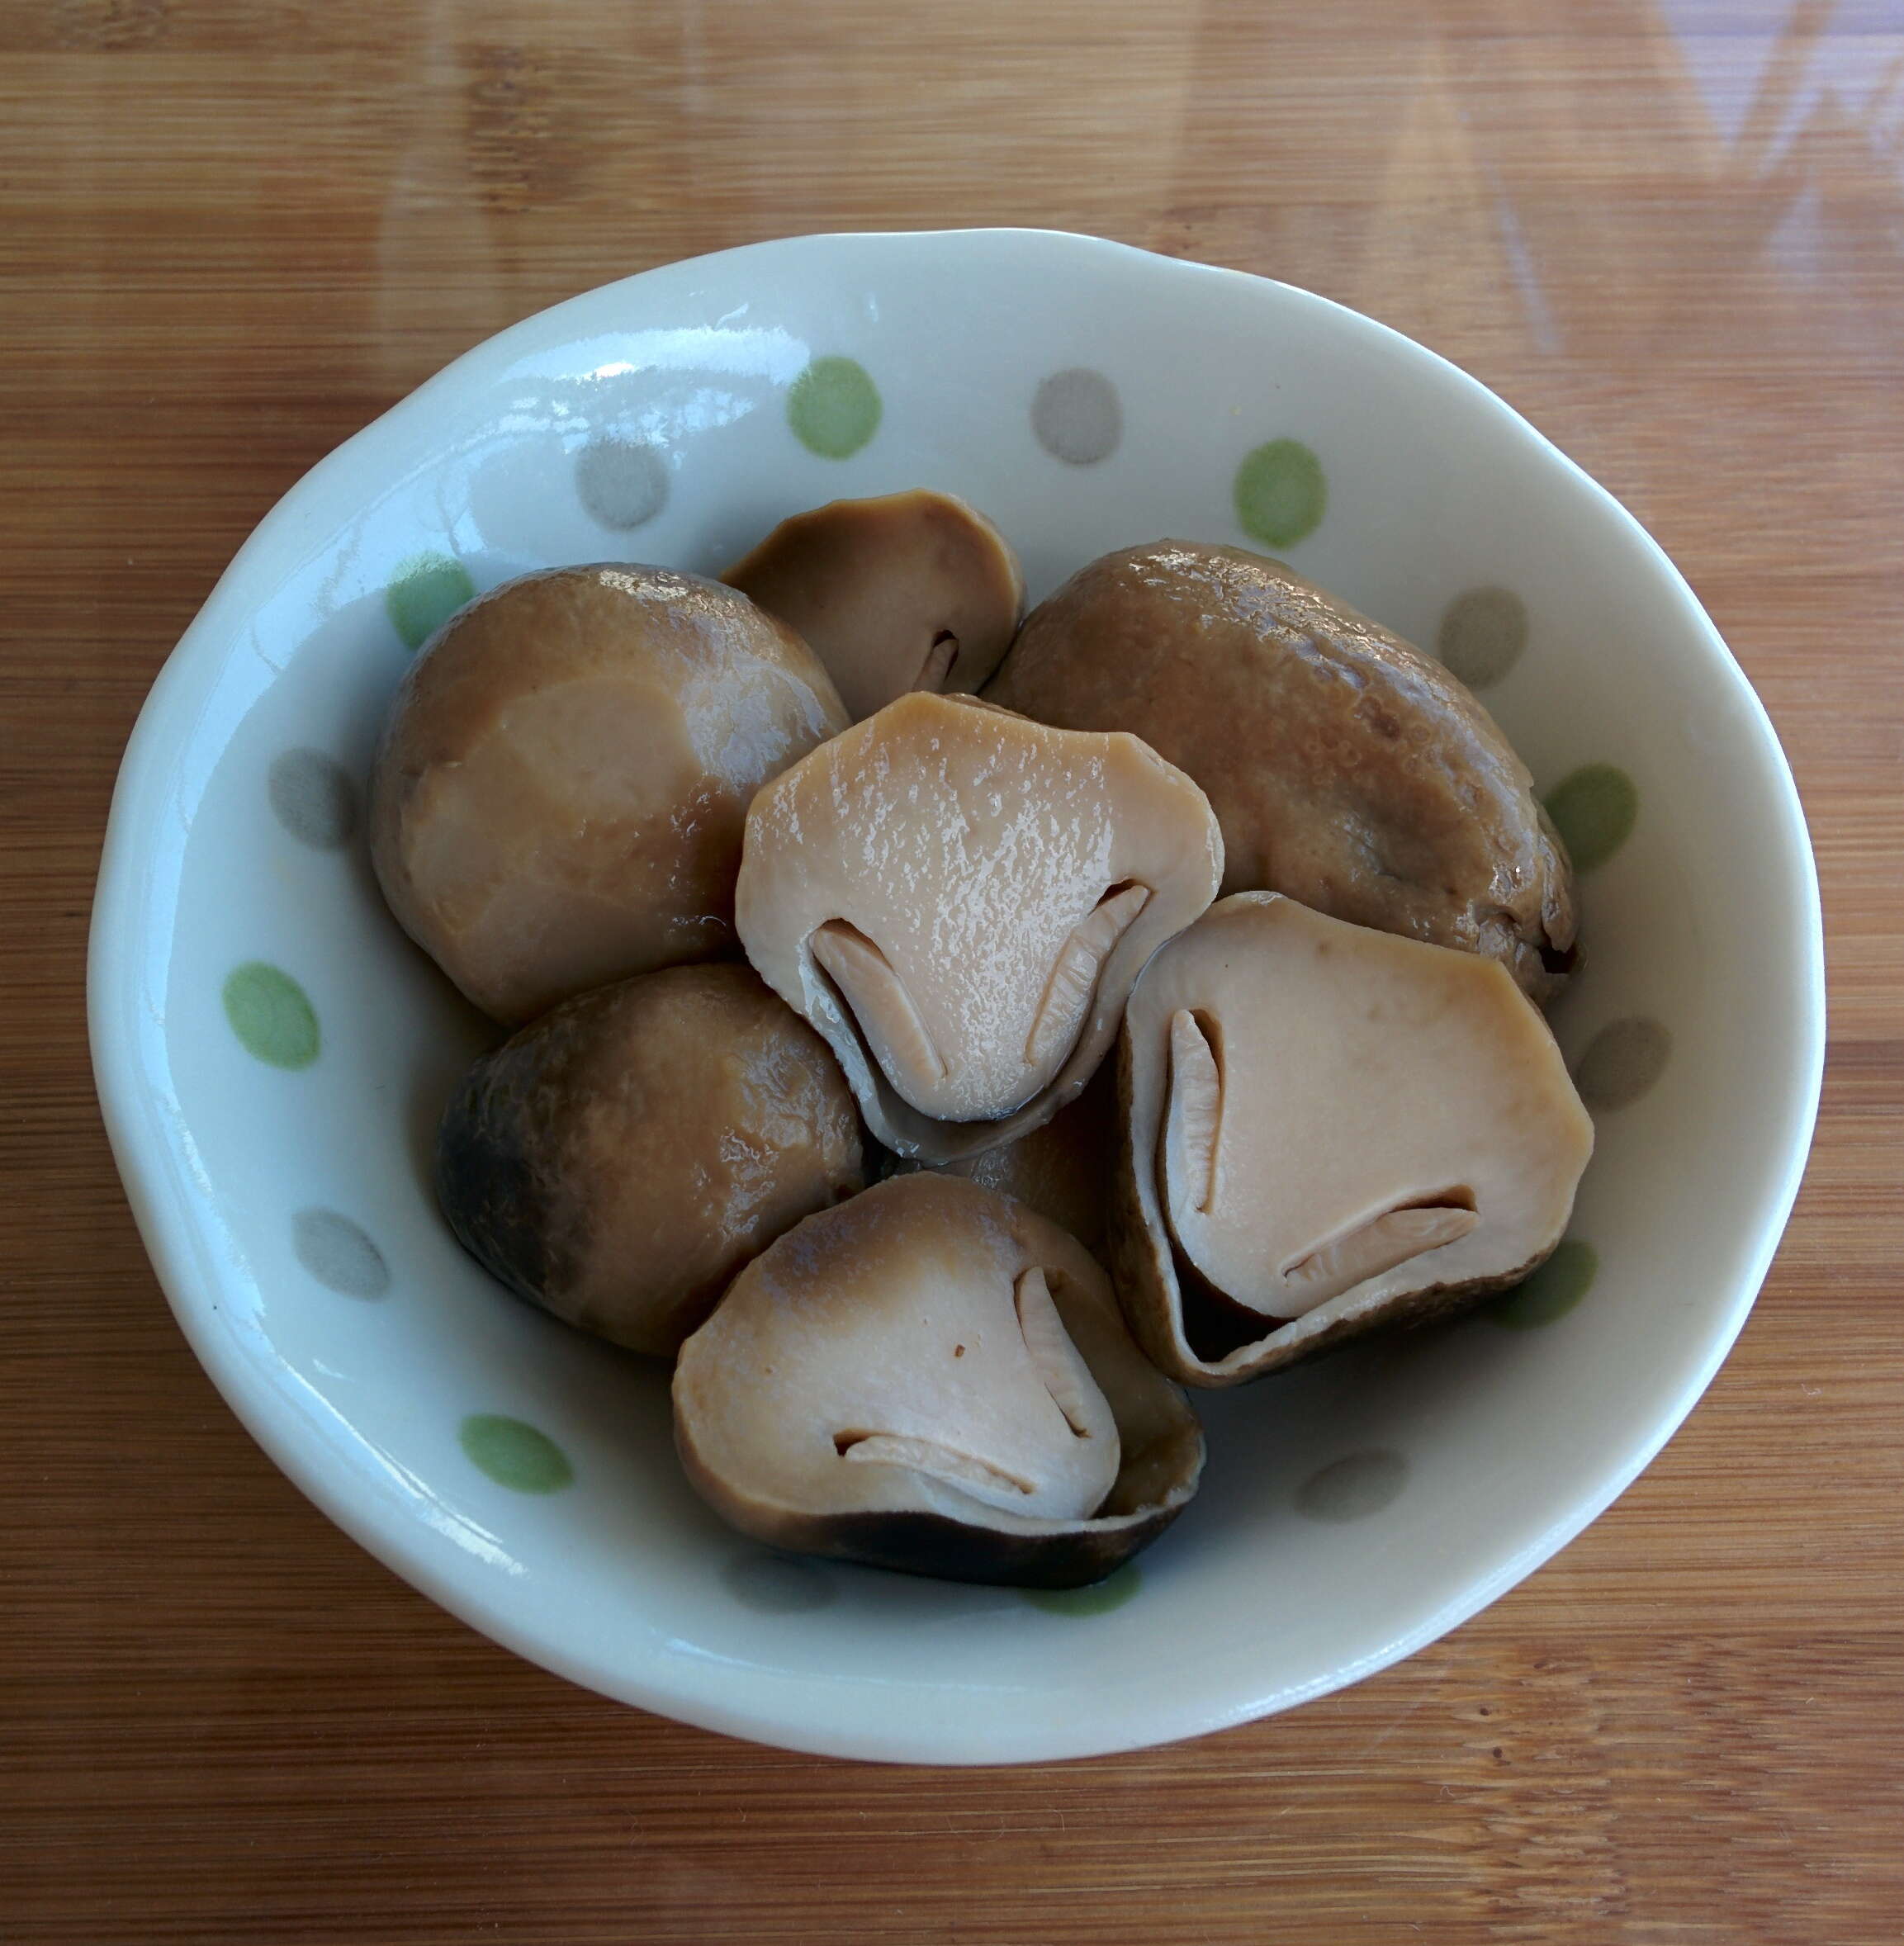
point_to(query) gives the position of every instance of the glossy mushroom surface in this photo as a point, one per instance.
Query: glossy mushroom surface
(959, 899)
(1347, 769)
(931, 1378)
(1328, 1130)
(558, 797)
(619, 1160)
(908, 591)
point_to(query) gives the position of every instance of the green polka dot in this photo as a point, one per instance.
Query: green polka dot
(1280, 493)
(516, 1454)
(425, 591)
(833, 408)
(270, 1015)
(1100, 1598)
(1552, 1291)
(1593, 809)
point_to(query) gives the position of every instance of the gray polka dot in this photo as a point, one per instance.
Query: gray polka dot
(1077, 417)
(774, 1585)
(1482, 635)
(622, 482)
(338, 1254)
(1353, 1488)
(1622, 1062)
(312, 796)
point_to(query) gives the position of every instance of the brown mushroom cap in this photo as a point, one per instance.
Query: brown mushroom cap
(959, 899)
(1061, 1170)
(618, 1161)
(910, 591)
(931, 1378)
(558, 797)
(1328, 1130)
(1347, 769)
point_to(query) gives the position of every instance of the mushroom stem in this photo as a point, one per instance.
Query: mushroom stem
(1382, 1243)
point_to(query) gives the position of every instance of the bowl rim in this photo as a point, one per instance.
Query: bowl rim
(152, 1149)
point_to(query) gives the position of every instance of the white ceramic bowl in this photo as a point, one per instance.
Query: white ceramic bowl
(271, 1053)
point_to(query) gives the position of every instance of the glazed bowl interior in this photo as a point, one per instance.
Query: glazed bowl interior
(272, 1053)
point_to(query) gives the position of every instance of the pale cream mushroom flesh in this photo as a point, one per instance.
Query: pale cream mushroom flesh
(618, 1160)
(1328, 1129)
(909, 591)
(1347, 769)
(959, 899)
(558, 797)
(930, 1377)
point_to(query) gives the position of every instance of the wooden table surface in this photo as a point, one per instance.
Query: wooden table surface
(1671, 231)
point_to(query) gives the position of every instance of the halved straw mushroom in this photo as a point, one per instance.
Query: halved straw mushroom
(931, 1378)
(909, 591)
(619, 1160)
(959, 900)
(558, 796)
(1347, 769)
(1328, 1130)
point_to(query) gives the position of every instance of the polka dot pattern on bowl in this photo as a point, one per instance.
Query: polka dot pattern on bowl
(1594, 809)
(1101, 1598)
(833, 408)
(1483, 634)
(1280, 493)
(340, 1254)
(1354, 1487)
(1076, 416)
(424, 593)
(514, 1454)
(313, 798)
(622, 483)
(1622, 1061)
(271, 1016)
(1552, 1291)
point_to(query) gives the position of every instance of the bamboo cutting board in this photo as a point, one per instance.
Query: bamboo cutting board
(232, 232)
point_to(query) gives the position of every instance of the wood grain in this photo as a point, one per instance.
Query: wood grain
(232, 232)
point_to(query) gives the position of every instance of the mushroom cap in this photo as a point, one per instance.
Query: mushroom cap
(1327, 1130)
(1061, 1170)
(619, 1160)
(1347, 769)
(558, 797)
(959, 899)
(909, 591)
(931, 1378)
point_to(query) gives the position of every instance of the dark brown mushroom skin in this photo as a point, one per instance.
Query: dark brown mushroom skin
(559, 794)
(617, 1161)
(1346, 768)
(1062, 1170)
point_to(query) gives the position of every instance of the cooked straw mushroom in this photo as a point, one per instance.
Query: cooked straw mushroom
(1328, 1130)
(618, 1161)
(909, 591)
(1346, 768)
(558, 798)
(931, 1378)
(959, 900)
(1061, 1170)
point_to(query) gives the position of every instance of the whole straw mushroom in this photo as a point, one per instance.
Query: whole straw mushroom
(931, 1378)
(909, 591)
(959, 899)
(1347, 769)
(619, 1160)
(1328, 1130)
(558, 797)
